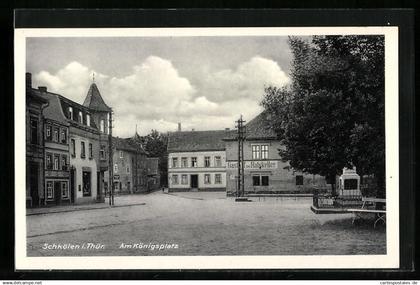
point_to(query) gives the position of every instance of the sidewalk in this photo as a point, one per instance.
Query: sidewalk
(119, 201)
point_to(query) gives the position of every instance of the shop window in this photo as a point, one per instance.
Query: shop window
(50, 190)
(184, 162)
(86, 175)
(256, 181)
(56, 161)
(48, 133)
(255, 152)
(184, 179)
(64, 190)
(264, 181)
(90, 151)
(218, 179)
(217, 161)
(193, 162)
(174, 162)
(82, 150)
(175, 179)
(207, 179)
(73, 147)
(299, 179)
(207, 161)
(49, 162)
(264, 152)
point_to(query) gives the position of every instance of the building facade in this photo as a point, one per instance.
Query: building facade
(130, 166)
(101, 115)
(84, 153)
(34, 145)
(264, 171)
(196, 161)
(57, 156)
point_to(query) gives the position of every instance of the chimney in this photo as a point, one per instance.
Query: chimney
(192, 130)
(42, 88)
(28, 80)
(179, 127)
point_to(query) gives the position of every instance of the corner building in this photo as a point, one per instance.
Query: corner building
(264, 171)
(196, 161)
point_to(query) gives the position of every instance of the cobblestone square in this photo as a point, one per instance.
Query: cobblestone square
(200, 224)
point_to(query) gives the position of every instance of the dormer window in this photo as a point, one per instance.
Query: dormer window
(71, 113)
(80, 117)
(88, 120)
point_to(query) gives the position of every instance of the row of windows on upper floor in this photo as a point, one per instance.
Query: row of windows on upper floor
(82, 149)
(80, 119)
(194, 162)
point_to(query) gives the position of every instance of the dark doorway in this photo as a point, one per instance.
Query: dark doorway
(72, 170)
(57, 192)
(194, 181)
(33, 183)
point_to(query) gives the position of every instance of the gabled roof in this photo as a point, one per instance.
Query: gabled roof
(94, 100)
(127, 144)
(256, 129)
(196, 141)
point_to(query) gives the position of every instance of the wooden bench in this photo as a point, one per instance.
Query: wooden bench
(380, 215)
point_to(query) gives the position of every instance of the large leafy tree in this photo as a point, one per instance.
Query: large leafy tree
(332, 115)
(155, 144)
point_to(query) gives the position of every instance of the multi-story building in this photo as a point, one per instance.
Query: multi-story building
(57, 160)
(196, 161)
(84, 138)
(264, 171)
(130, 169)
(101, 116)
(34, 145)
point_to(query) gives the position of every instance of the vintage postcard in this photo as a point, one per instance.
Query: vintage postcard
(207, 148)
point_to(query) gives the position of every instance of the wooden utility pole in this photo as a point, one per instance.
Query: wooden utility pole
(110, 161)
(241, 137)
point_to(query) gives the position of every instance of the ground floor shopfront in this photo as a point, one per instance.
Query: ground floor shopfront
(197, 181)
(270, 176)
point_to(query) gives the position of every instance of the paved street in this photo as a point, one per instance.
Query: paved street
(200, 224)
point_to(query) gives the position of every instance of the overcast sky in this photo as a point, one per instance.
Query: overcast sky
(203, 82)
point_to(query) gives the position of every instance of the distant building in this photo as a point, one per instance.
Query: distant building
(34, 145)
(264, 171)
(130, 166)
(196, 161)
(153, 174)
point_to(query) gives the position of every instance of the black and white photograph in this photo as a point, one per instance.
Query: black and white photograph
(207, 148)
